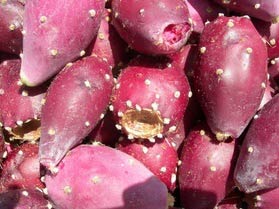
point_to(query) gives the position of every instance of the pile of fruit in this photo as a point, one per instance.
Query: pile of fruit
(139, 104)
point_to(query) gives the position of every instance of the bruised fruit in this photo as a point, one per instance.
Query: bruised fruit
(104, 172)
(232, 74)
(53, 36)
(149, 101)
(205, 173)
(257, 167)
(152, 26)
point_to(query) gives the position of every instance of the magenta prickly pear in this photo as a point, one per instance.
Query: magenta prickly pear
(104, 178)
(266, 199)
(56, 33)
(232, 74)
(11, 21)
(149, 101)
(159, 157)
(76, 101)
(108, 45)
(264, 10)
(24, 198)
(18, 103)
(21, 169)
(152, 27)
(258, 163)
(205, 175)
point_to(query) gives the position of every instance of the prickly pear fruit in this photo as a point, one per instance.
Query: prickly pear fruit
(24, 198)
(257, 167)
(202, 11)
(11, 21)
(21, 169)
(264, 10)
(159, 157)
(152, 27)
(232, 74)
(205, 173)
(104, 171)
(18, 103)
(76, 100)
(149, 101)
(266, 199)
(48, 45)
(273, 71)
(108, 45)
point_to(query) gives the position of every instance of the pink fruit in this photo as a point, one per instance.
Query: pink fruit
(159, 157)
(18, 103)
(76, 101)
(101, 177)
(258, 164)
(202, 11)
(205, 173)
(22, 199)
(232, 74)
(152, 27)
(21, 169)
(54, 36)
(266, 199)
(108, 45)
(264, 10)
(149, 100)
(11, 20)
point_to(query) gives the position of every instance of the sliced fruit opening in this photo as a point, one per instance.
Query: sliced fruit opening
(174, 33)
(142, 124)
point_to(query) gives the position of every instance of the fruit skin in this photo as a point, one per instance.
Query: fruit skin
(18, 103)
(257, 167)
(232, 74)
(205, 175)
(22, 199)
(11, 21)
(266, 199)
(273, 71)
(21, 169)
(107, 44)
(264, 10)
(104, 171)
(152, 27)
(49, 45)
(159, 157)
(76, 101)
(154, 102)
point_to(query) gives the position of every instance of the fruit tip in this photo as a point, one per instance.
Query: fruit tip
(24, 79)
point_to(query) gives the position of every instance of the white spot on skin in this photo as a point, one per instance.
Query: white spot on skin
(257, 6)
(96, 180)
(117, 86)
(249, 50)
(5, 154)
(155, 106)
(23, 32)
(12, 27)
(20, 152)
(152, 140)
(256, 117)
(67, 189)
(45, 191)
(138, 108)
(130, 136)
(166, 121)
(102, 116)
(120, 114)
(107, 77)
(172, 129)
(69, 64)
(2, 91)
(213, 168)
(141, 12)
(250, 149)
(219, 71)
(101, 36)
(202, 132)
(25, 193)
(144, 149)
(163, 169)
(147, 82)
(111, 108)
(173, 178)
(82, 53)
(157, 96)
(179, 163)
(230, 23)
(118, 127)
(129, 103)
(259, 181)
(54, 52)
(160, 136)
(13, 176)
(87, 84)
(272, 42)
(202, 50)
(87, 123)
(177, 94)
(24, 93)
(190, 94)
(263, 85)
(51, 131)
(92, 13)
(19, 83)
(43, 19)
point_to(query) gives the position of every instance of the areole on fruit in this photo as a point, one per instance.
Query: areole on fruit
(142, 124)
